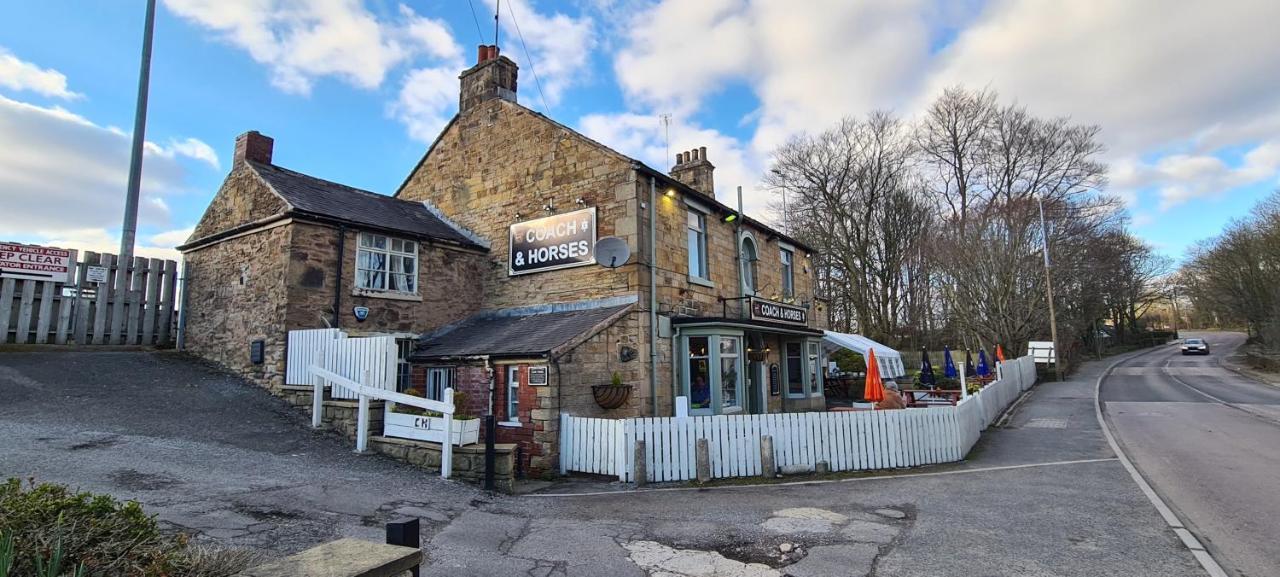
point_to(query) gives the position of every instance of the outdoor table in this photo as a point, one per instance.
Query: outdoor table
(918, 397)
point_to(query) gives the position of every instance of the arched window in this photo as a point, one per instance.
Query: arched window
(749, 272)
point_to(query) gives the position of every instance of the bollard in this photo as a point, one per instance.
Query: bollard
(404, 533)
(822, 468)
(703, 461)
(490, 452)
(638, 464)
(768, 465)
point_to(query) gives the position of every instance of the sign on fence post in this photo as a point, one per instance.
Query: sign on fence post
(32, 262)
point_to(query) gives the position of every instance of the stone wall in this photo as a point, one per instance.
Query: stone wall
(447, 290)
(500, 163)
(236, 295)
(243, 198)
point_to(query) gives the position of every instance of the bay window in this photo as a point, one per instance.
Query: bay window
(712, 372)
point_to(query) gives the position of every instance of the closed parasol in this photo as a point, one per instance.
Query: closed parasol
(874, 389)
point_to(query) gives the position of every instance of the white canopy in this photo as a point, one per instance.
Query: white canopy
(890, 361)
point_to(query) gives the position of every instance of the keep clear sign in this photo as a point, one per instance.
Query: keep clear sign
(553, 242)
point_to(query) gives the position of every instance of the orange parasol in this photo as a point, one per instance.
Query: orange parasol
(999, 353)
(874, 390)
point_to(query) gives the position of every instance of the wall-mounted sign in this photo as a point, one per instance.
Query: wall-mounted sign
(94, 273)
(774, 379)
(32, 262)
(537, 375)
(361, 313)
(257, 352)
(553, 242)
(764, 310)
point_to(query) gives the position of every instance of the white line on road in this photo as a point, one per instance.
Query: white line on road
(1206, 560)
(829, 481)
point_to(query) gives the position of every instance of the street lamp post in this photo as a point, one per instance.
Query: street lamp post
(1048, 284)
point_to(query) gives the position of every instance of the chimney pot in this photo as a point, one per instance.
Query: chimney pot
(704, 152)
(693, 169)
(253, 146)
(695, 154)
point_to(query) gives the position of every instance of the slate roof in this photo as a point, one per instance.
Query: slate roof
(308, 195)
(532, 335)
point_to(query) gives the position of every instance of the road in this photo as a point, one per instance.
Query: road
(1208, 441)
(1042, 496)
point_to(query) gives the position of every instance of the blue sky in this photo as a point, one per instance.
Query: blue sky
(354, 90)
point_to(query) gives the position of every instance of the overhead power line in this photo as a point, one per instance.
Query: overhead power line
(529, 58)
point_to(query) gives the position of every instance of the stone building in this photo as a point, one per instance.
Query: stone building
(511, 306)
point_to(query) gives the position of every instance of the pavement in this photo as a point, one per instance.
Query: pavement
(1208, 441)
(1041, 496)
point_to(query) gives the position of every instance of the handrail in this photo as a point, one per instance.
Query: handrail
(364, 392)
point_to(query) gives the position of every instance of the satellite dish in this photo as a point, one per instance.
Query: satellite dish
(612, 252)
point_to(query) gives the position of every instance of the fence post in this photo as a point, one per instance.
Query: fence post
(317, 390)
(638, 465)
(490, 452)
(446, 451)
(768, 465)
(964, 388)
(703, 460)
(564, 443)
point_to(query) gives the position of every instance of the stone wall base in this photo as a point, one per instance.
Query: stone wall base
(468, 461)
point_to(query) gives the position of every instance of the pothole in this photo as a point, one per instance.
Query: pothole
(138, 481)
(658, 560)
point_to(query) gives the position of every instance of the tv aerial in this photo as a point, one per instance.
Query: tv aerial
(612, 252)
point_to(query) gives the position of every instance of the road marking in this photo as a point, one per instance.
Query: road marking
(1206, 559)
(1215, 399)
(828, 481)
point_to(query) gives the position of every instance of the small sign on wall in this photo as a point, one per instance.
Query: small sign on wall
(96, 274)
(537, 375)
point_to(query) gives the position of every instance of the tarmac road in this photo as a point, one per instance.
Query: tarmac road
(1208, 441)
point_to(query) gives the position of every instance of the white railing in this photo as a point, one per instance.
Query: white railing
(845, 441)
(321, 375)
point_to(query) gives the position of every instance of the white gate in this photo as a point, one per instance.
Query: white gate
(370, 361)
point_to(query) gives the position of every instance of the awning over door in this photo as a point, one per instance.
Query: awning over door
(890, 361)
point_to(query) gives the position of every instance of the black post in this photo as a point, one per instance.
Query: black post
(490, 453)
(404, 533)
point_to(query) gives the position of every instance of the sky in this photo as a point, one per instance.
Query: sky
(1186, 92)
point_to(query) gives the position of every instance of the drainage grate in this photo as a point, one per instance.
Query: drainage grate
(1047, 423)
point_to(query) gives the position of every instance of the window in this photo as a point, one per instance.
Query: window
(749, 272)
(699, 373)
(729, 399)
(697, 245)
(788, 274)
(386, 264)
(404, 371)
(795, 370)
(815, 368)
(513, 394)
(438, 379)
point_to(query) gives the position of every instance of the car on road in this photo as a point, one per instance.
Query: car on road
(1195, 347)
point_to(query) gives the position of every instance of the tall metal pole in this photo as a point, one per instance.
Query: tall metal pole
(1048, 284)
(129, 228)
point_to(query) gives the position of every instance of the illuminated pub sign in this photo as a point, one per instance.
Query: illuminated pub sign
(553, 242)
(765, 310)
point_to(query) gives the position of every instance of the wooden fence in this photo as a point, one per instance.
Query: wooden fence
(370, 361)
(846, 441)
(135, 305)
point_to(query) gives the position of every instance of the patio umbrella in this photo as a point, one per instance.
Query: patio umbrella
(874, 389)
(983, 369)
(949, 365)
(999, 353)
(968, 364)
(926, 370)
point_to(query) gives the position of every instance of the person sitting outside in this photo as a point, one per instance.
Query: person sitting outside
(892, 398)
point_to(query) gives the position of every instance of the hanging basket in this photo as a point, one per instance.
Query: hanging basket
(611, 396)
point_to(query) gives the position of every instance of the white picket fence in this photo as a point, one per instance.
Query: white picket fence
(370, 361)
(846, 441)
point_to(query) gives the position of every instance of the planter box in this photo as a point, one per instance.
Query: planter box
(422, 428)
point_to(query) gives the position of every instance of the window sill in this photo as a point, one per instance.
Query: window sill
(701, 281)
(388, 295)
(512, 424)
(730, 410)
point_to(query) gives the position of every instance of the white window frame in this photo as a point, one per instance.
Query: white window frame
(813, 365)
(786, 371)
(366, 243)
(442, 377)
(404, 370)
(749, 267)
(787, 256)
(704, 268)
(513, 395)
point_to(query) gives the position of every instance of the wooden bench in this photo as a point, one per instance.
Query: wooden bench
(343, 558)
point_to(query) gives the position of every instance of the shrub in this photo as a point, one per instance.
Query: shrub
(107, 536)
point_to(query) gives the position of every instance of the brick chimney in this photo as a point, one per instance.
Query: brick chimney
(693, 169)
(253, 146)
(493, 76)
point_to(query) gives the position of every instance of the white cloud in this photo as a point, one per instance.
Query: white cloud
(61, 171)
(192, 148)
(171, 238)
(301, 41)
(427, 99)
(1179, 178)
(559, 45)
(100, 240)
(17, 74)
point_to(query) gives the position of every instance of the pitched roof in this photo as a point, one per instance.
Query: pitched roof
(531, 334)
(308, 195)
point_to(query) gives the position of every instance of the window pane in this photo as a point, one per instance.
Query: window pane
(377, 241)
(407, 283)
(699, 373)
(697, 346)
(728, 346)
(362, 279)
(795, 369)
(378, 280)
(729, 381)
(695, 220)
(813, 367)
(695, 269)
(408, 264)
